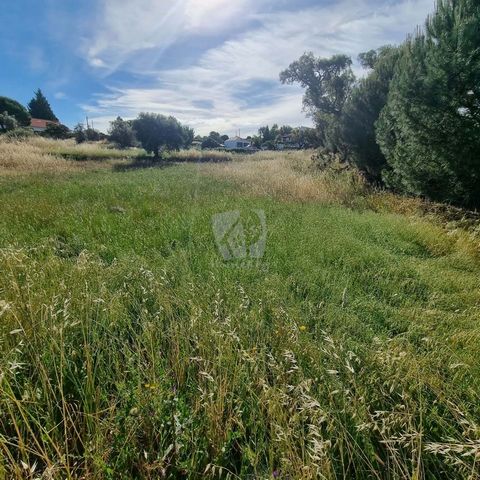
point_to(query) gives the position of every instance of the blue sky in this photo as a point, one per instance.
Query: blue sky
(214, 64)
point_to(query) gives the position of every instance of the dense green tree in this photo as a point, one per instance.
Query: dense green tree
(328, 83)
(57, 131)
(369, 59)
(94, 135)
(268, 135)
(285, 130)
(121, 133)
(156, 131)
(362, 110)
(14, 109)
(7, 122)
(429, 130)
(40, 108)
(211, 142)
(215, 136)
(188, 136)
(305, 137)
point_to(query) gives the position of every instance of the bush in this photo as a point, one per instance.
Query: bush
(93, 135)
(7, 122)
(210, 143)
(14, 109)
(57, 131)
(20, 133)
(79, 133)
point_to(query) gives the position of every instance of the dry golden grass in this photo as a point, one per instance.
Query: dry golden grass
(290, 176)
(40, 155)
(194, 155)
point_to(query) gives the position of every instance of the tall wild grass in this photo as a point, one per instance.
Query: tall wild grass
(130, 349)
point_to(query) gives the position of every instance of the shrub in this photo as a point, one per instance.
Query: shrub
(210, 143)
(19, 133)
(79, 133)
(57, 131)
(93, 135)
(7, 122)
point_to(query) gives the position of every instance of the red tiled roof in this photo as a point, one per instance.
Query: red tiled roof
(40, 123)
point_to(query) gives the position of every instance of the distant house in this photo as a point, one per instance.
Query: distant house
(39, 125)
(237, 143)
(286, 142)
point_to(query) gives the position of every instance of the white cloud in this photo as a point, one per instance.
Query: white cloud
(36, 59)
(216, 92)
(126, 27)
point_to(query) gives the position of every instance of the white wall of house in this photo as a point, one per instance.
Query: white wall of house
(236, 143)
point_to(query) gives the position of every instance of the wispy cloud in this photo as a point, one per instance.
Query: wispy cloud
(216, 91)
(126, 27)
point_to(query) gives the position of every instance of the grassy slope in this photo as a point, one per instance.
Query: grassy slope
(350, 351)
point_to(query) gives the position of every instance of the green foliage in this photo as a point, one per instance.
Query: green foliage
(121, 133)
(156, 131)
(268, 135)
(429, 130)
(211, 143)
(40, 108)
(94, 135)
(56, 130)
(368, 59)
(363, 108)
(14, 109)
(7, 122)
(20, 133)
(215, 136)
(305, 137)
(188, 136)
(328, 83)
(79, 133)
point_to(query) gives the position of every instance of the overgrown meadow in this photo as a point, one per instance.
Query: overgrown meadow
(130, 348)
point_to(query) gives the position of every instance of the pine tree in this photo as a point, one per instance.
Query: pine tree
(363, 108)
(40, 108)
(429, 130)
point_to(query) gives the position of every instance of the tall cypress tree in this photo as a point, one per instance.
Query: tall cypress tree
(40, 108)
(429, 130)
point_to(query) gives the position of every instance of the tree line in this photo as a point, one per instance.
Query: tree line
(152, 131)
(14, 116)
(412, 123)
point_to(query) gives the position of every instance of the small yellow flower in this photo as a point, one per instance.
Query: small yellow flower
(151, 386)
(303, 328)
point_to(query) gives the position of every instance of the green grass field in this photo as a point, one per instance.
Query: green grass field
(131, 349)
